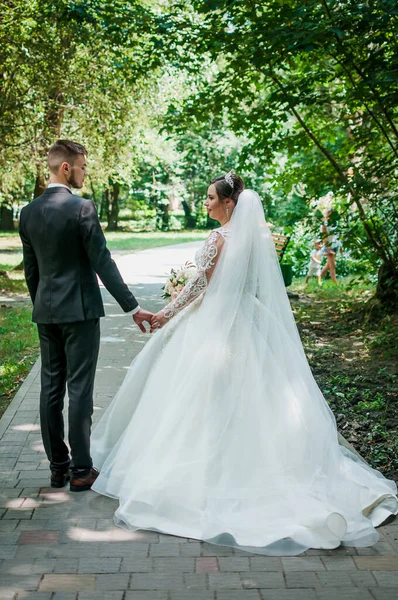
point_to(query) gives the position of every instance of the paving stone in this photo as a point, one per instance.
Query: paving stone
(66, 565)
(380, 549)
(164, 549)
(35, 596)
(193, 595)
(386, 578)
(16, 567)
(26, 552)
(43, 565)
(385, 593)
(107, 595)
(64, 596)
(196, 581)
(296, 579)
(167, 539)
(377, 563)
(123, 549)
(238, 595)
(262, 580)
(212, 550)
(222, 581)
(9, 539)
(152, 595)
(67, 583)
(362, 579)
(136, 565)
(73, 550)
(8, 552)
(207, 564)
(37, 525)
(339, 563)
(341, 593)
(99, 565)
(305, 563)
(193, 549)
(290, 594)
(38, 537)
(334, 579)
(7, 526)
(18, 514)
(113, 582)
(265, 563)
(152, 581)
(177, 565)
(17, 583)
(7, 594)
(234, 564)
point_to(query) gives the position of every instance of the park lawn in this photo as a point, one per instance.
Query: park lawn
(19, 349)
(118, 240)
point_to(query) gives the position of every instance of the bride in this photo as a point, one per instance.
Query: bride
(219, 431)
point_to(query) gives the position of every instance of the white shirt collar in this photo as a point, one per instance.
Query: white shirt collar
(52, 185)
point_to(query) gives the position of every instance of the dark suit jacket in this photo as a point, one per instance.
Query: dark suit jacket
(63, 249)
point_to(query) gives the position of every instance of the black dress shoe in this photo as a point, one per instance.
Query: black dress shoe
(83, 483)
(59, 480)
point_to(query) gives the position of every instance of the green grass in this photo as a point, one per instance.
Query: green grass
(10, 234)
(135, 242)
(344, 290)
(13, 285)
(19, 349)
(9, 260)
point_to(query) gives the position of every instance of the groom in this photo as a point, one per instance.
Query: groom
(63, 249)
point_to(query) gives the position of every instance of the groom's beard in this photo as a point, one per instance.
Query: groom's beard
(72, 181)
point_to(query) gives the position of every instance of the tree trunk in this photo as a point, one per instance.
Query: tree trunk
(113, 211)
(40, 184)
(190, 219)
(6, 218)
(387, 284)
(104, 206)
(163, 216)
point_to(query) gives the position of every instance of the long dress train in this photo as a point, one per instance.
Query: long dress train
(220, 432)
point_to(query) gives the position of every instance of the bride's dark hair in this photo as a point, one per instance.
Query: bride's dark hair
(225, 190)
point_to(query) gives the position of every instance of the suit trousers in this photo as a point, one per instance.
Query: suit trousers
(69, 354)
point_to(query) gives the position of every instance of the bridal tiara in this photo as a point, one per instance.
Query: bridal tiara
(229, 180)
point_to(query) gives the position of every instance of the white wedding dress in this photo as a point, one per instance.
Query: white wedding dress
(220, 432)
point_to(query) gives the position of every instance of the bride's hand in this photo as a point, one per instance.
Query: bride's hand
(158, 320)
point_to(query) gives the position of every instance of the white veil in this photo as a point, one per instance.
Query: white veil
(242, 448)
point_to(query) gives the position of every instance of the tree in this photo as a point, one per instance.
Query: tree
(58, 61)
(312, 80)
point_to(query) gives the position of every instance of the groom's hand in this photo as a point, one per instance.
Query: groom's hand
(140, 316)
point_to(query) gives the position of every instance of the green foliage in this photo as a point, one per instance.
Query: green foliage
(309, 86)
(296, 97)
(19, 349)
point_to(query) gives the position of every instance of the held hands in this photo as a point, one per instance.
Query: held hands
(158, 320)
(140, 316)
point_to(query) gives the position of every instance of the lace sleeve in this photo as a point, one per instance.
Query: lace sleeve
(198, 284)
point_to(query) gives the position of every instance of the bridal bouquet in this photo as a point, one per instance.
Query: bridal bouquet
(177, 279)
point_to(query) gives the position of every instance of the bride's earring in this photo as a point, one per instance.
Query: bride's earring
(227, 214)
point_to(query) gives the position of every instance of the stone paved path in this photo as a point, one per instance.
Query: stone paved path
(62, 546)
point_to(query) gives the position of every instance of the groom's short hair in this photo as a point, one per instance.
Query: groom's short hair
(64, 151)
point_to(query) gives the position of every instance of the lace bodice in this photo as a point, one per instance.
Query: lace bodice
(206, 259)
